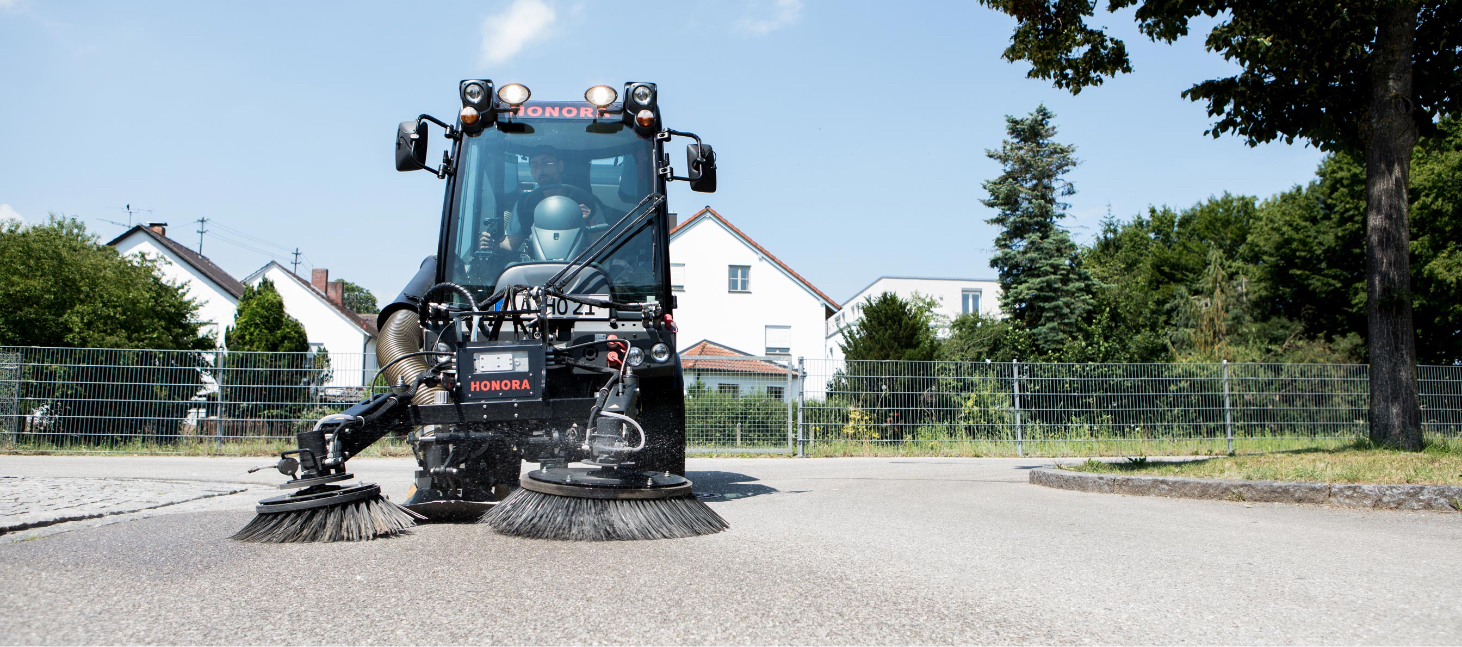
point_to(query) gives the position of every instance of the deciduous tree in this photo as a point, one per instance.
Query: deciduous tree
(1346, 75)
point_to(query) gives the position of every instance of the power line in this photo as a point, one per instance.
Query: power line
(255, 239)
(241, 245)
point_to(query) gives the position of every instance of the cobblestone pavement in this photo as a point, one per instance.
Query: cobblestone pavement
(27, 502)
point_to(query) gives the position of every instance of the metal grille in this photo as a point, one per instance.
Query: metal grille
(175, 401)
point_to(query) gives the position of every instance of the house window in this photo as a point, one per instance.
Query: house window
(969, 301)
(779, 340)
(739, 277)
(775, 392)
(677, 276)
(732, 390)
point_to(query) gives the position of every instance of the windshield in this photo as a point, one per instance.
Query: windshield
(532, 194)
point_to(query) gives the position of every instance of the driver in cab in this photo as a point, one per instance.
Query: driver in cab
(547, 169)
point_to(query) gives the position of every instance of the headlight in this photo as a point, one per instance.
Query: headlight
(642, 94)
(473, 92)
(636, 356)
(469, 115)
(514, 94)
(601, 96)
(645, 118)
(660, 353)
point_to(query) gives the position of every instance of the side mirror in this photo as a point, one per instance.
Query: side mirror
(411, 139)
(700, 162)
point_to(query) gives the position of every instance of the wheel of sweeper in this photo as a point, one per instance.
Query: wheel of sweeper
(662, 413)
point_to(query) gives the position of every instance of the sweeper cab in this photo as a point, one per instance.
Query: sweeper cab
(541, 330)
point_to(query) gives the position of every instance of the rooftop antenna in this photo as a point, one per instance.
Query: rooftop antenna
(128, 208)
(202, 229)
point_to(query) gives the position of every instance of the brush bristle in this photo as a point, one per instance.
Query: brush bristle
(356, 521)
(535, 515)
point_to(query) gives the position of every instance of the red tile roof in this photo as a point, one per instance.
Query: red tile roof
(710, 348)
(712, 213)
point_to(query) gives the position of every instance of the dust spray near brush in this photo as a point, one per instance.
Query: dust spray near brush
(544, 334)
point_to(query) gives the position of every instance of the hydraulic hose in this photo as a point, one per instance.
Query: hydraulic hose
(401, 336)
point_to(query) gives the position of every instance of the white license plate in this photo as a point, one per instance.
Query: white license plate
(500, 362)
(565, 309)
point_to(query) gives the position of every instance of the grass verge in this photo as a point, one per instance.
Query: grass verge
(1440, 463)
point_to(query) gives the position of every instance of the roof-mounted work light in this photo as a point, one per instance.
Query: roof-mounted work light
(477, 109)
(514, 94)
(601, 96)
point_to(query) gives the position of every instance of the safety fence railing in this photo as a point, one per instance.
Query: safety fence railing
(1016, 408)
(92, 399)
(181, 401)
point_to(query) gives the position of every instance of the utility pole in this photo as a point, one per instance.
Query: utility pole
(202, 229)
(296, 264)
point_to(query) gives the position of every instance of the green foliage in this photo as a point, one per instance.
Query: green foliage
(358, 299)
(60, 287)
(725, 420)
(1304, 66)
(267, 363)
(1043, 287)
(261, 325)
(891, 329)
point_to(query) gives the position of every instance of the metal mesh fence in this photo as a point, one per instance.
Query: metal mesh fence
(168, 401)
(88, 399)
(873, 407)
(739, 403)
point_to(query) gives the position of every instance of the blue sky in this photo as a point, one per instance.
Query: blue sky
(851, 135)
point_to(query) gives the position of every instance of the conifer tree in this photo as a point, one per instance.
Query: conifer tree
(1043, 286)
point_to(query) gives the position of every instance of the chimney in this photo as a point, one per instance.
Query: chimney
(319, 277)
(159, 228)
(336, 292)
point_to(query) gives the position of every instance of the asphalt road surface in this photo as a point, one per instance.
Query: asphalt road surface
(820, 551)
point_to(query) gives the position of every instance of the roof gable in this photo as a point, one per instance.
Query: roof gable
(200, 263)
(733, 364)
(365, 323)
(709, 213)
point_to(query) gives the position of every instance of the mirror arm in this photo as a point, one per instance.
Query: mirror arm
(664, 135)
(452, 133)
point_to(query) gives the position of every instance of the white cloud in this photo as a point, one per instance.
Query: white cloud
(8, 213)
(767, 18)
(507, 33)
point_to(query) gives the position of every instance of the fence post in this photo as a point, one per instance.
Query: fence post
(801, 399)
(218, 382)
(1228, 419)
(1015, 375)
(787, 402)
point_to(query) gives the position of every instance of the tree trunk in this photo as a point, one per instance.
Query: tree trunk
(1389, 136)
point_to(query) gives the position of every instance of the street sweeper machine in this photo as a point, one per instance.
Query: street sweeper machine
(542, 330)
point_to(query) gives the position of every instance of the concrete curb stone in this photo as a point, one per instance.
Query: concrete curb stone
(1347, 495)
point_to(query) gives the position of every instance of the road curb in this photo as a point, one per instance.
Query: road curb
(1345, 495)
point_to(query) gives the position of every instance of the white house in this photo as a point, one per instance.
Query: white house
(955, 297)
(329, 326)
(732, 291)
(216, 292)
(739, 374)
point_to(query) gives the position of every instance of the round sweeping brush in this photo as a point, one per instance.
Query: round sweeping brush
(327, 513)
(579, 504)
